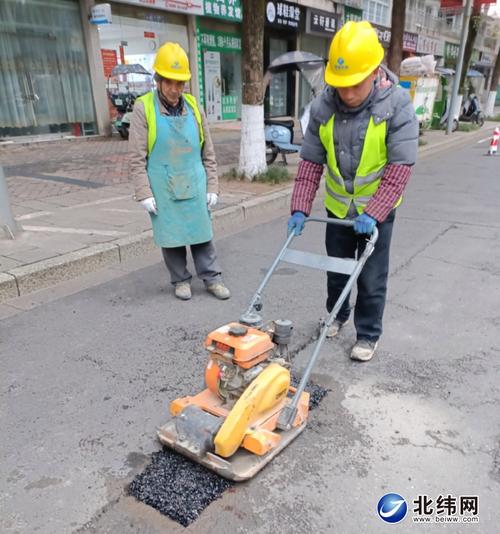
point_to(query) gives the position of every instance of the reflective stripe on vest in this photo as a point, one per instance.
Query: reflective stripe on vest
(149, 109)
(370, 169)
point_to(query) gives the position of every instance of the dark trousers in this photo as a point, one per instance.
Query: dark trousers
(204, 258)
(342, 242)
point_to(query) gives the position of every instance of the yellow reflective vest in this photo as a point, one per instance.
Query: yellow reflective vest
(149, 109)
(368, 174)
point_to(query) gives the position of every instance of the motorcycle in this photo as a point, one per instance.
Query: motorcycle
(279, 133)
(125, 84)
(471, 111)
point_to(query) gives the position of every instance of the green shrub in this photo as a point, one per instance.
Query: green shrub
(273, 175)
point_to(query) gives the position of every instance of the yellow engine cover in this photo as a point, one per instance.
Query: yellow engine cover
(265, 392)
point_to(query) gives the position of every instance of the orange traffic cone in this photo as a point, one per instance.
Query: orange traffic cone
(494, 142)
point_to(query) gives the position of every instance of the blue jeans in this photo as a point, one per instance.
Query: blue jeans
(372, 282)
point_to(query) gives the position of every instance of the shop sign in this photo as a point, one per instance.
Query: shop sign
(409, 39)
(189, 7)
(429, 45)
(221, 41)
(284, 15)
(224, 9)
(352, 13)
(100, 14)
(384, 34)
(451, 50)
(321, 22)
(109, 60)
(410, 42)
(487, 58)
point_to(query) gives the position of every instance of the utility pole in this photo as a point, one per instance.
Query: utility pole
(458, 71)
(7, 222)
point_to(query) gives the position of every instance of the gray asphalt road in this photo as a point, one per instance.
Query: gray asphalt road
(87, 378)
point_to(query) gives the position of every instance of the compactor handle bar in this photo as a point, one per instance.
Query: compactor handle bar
(313, 261)
(349, 267)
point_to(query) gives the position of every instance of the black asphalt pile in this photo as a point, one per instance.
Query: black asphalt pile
(182, 489)
(177, 487)
(316, 392)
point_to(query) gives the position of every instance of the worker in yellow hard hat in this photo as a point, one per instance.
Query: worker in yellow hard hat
(366, 133)
(175, 173)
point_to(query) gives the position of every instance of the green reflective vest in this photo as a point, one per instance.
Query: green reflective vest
(149, 109)
(370, 169)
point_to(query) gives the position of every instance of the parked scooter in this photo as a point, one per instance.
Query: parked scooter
(279, 133)
(125, 85)
(471, 111)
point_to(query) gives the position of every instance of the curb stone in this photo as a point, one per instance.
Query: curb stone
(21, 281)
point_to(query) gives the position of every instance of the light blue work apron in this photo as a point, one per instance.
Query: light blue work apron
(179, 182)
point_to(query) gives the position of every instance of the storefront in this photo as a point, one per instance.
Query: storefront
(284, 21)
(218, 38)
(45, 82)
(320, 27)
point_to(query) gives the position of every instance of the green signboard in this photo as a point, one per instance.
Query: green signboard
(451, 51)
(223, 9)
(218, 94)
(352, 13)
(220, 41)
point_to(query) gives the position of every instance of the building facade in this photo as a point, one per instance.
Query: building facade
(56, 62)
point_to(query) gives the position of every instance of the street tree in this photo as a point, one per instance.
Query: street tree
(475, 21)
(253, 145)
(395, 52)
(492, 95)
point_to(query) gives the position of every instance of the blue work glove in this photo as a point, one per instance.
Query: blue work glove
(296, 223)
(364, 224)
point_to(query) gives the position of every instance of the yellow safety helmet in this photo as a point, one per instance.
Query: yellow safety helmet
(172, 62)
(354, 54)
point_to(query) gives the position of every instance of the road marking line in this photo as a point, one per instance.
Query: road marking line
(96, 202)
(33, 215)
(84, 231)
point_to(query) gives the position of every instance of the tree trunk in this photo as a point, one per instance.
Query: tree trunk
(395, 52)
(474, 24)
(492, 95)
(253, 145)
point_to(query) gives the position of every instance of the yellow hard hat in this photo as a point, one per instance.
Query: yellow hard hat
(354, 54)
(172, 62)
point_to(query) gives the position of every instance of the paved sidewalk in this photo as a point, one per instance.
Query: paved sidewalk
(73, 199)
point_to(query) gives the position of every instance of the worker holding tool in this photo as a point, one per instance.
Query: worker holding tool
(175, 173)
(367, 134)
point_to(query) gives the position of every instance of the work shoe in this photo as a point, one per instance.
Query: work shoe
(336, 328)
(183, 290)
(363, 350)
(219, 290)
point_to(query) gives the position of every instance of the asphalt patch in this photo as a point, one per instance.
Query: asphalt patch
(181, 489)
(316, 392)
(177, 487)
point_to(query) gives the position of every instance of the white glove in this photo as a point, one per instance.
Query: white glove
(149, 204)
(212, 199)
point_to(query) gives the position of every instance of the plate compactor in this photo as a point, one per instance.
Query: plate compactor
(249, 410)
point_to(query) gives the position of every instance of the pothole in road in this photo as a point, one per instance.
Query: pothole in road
(181, 489)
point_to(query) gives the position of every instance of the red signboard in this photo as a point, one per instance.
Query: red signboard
(149, 35)
(109, 60)
(457, 4)
(451, 4)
